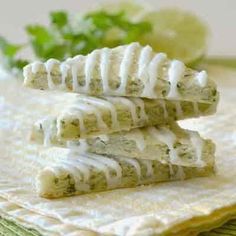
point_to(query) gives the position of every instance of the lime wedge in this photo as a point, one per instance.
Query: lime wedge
(178, 33)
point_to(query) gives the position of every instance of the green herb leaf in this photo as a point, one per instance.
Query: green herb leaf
(39, 34)
(9, 52)
(59, 18)
(19, 63)
(8, 49)
(115, 29)
(45, 43)
(62, 38)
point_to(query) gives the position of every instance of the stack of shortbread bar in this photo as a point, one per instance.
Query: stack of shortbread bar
(118, 125)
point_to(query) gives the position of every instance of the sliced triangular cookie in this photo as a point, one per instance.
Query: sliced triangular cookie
(166, 143)
(77, 174)
(130, 70)
(86, 116)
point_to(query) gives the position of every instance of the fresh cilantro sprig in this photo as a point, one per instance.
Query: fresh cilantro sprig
(67, 37)
(93, 31)
(9, 52)
(104, 25)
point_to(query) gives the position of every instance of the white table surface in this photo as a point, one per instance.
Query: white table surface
(220, 15)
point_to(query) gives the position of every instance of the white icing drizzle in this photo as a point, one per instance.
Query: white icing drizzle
(202, 78)
(74, 71)
(167, 137)
(89, 108)
(76, 168)
(79, 115)
(180, 173)
(60, 168)
(75, 84)
(35, 66)
(175, 73)
(106, 104)
(132, 107)
(80, 146)
(76, 172)
(148, 164)
(125, 66)
(163, 105)
(110, 163)
(137, 136)
(55, 169)
(90, 63)
(179, 111)
(94, 162)
(132, 162)
(195, 108)
(83, 168)
(104, 68)
(153, 67)
(27, 70)
(144, 59)
(47, 125)
(171, 170)
(148, 70)
(197, 143)
(103, 137)
(73, 145)
(49, 66)
(64, 70)
(140, 103)
(83, 159)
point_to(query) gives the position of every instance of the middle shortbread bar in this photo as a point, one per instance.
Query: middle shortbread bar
(87, 116)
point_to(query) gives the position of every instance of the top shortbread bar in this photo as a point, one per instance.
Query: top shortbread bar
(130, 70)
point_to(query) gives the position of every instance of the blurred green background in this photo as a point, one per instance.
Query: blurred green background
(198, 29)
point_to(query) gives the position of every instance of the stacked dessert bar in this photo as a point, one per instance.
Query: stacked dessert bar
(118, 125)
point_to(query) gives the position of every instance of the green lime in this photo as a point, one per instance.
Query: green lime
(178, 33)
